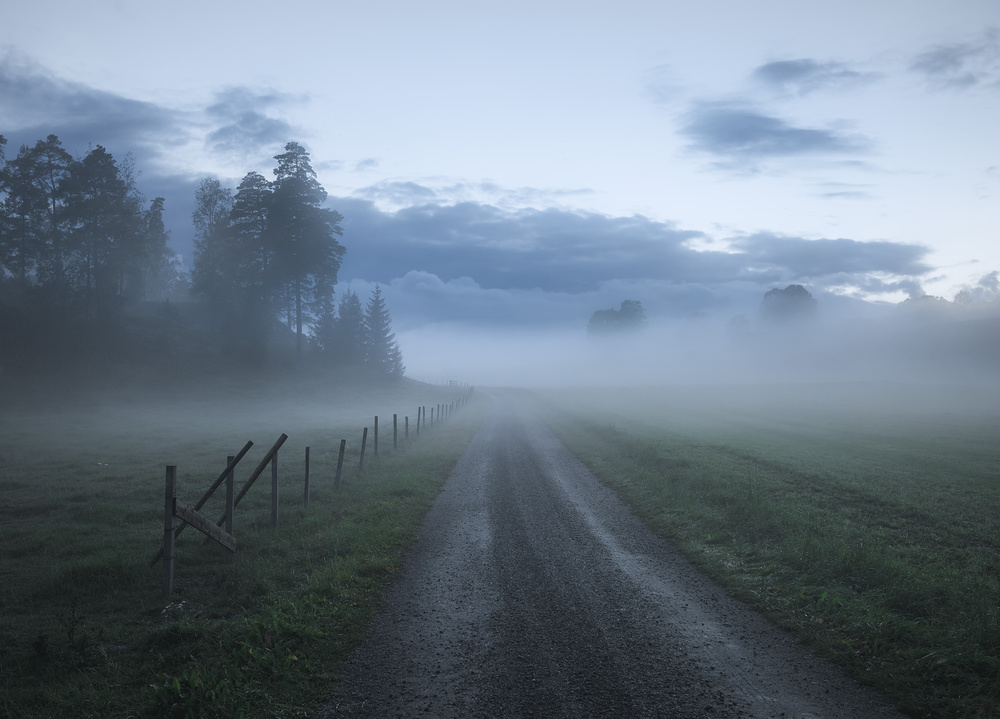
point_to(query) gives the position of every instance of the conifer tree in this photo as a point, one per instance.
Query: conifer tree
(382, 352)
(307, 254)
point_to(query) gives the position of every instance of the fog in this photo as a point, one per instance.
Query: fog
(883, 343)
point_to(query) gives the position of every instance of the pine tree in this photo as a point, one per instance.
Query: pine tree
(382, 352)
(347, 340)
(307, 254)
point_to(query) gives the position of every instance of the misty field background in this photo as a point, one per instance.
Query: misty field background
(864, 517)
(84, 629)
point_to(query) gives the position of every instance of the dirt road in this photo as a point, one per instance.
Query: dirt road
(534, 592)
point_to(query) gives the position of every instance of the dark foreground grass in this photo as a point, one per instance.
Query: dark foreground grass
(866, 519)
(84, 631)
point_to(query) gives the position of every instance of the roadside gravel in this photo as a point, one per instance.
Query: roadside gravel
(534, 592)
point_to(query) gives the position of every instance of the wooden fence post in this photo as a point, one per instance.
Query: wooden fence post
(169, 497)
(230, 505)
(418, 420)
(395, 431)
(364, 441)
(375, 453)
(274, 490)
(406, 427)
(307, 479)
(340, 463)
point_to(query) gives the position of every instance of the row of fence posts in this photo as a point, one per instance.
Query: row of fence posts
(221, 530)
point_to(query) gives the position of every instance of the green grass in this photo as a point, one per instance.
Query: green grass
(864, 518)
(84, 630)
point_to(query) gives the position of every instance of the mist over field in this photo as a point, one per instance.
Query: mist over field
(886, 343)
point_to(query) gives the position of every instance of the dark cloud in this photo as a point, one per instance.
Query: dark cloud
(555, 250)
(818, 259)
(740, 134)
(804, 76)
(246, 131)
(36, 104)
(974, 63)
(457, 262)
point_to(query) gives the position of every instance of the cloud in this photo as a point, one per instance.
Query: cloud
(37, 104)
(369, 163)
(805, 76)
(964, 65)
(468, 260)
(740, 134)
(661, 85)
(246, 131)
(818, 259)
(398, 194)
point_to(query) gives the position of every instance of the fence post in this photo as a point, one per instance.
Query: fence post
(406, 427)
(364, 441)
(418, 420)
(395, 431)
(307, 479)
(376, 437)
(230, 506)
(274, 490)
(169, 497)
(340, 463)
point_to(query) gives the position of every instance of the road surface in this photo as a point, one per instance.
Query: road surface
(534, 592)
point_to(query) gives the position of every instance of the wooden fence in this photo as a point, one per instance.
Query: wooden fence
(177, 515)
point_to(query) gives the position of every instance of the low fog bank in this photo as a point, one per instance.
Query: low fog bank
(885, 344)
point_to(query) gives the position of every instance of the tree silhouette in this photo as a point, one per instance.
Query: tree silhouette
(307, 254)
(382, 352)
(792, 304)
(630, 316)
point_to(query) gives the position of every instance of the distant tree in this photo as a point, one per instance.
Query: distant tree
(307, 254)
(51, 168)
(630, 316)
(104, 223)
(345, 342)
(160, 275)
(792, 304)
(4, 229)
(211, 275)
(382, 352)
(34, 182)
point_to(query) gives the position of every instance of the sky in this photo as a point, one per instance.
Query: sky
(526, 163)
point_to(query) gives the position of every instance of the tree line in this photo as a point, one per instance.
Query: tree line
(79, 243)
(78, 232)
(270, 252)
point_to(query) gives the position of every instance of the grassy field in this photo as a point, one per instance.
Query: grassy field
(84, 631)
(864, 518)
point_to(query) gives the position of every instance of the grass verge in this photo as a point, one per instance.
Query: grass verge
(85, 632)
(870, 529)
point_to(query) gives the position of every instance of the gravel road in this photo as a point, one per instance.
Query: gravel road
(534, 592)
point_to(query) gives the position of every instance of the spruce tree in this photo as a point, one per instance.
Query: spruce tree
(381, 349)
(347, 340)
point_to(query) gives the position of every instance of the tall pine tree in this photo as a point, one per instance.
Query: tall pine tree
(381, 349)
(304, 234)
